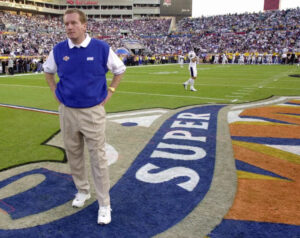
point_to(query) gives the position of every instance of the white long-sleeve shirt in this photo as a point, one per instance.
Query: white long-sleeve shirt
(114, 63)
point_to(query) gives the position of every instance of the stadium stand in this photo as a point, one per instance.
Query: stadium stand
(28, 39)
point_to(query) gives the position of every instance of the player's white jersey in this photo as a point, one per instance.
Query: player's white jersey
(216, 61)
(193, 63)
(181, 58)
(191, 55)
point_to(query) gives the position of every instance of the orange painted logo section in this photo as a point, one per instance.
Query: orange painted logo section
(263, 198)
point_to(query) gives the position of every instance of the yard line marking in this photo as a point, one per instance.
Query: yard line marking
(199, 84)
(233, 96)
(272, 79)
(176, 65)
(211, 78)
(196, 84)
(150, 94)
(169, 95)
(137, 113)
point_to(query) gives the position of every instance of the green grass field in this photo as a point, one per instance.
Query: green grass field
(159, 86)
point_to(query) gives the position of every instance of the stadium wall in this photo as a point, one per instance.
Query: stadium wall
(128, 9)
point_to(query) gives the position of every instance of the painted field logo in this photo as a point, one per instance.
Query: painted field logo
(169, 177)
(26, 203)
(204, 171)
(266, 143)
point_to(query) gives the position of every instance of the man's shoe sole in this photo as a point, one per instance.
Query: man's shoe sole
(103, 224)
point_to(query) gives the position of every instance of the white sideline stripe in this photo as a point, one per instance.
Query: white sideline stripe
(277, 100)
(56, 112)
(16, 75)
(29, 109)
(260, 103)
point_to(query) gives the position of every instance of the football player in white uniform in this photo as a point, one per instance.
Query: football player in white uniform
(181, 60)
(216, 60)
(233, 58)
(253, 59)
(241, 59)
(224, 59)
(193, 71)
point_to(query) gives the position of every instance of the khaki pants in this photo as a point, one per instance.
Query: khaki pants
(86, 124)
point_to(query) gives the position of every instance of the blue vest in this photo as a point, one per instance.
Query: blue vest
(81, 72)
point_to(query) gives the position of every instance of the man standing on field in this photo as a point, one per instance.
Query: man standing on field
(81, 64)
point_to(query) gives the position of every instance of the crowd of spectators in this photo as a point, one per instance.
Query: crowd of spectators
(276, 32)
(250, 32)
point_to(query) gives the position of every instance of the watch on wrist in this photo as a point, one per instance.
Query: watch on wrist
(111, 89)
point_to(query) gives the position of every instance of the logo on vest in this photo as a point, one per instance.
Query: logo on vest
(66, 58)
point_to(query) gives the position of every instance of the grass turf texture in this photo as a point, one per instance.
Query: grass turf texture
(23, 135)
(158, 86)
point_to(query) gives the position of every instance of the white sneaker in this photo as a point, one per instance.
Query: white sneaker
(193, 89)
(185, 86)
(80, 199)
(104, 215)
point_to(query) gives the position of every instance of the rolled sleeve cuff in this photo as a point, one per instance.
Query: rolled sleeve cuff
(119, 70)
(50, 66)
(48, 70)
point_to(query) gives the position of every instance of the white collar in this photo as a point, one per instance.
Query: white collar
(83, 44)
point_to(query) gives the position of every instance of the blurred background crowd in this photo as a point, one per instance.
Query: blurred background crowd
(25, 41)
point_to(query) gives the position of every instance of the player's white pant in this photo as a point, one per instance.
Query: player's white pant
(181, 62)
(193, 72)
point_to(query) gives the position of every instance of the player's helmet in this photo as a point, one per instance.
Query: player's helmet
(192, 55)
